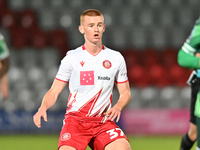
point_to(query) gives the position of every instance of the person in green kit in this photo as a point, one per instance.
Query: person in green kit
(4, 66)
(189, 57)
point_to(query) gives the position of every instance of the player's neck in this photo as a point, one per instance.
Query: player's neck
(93, 49)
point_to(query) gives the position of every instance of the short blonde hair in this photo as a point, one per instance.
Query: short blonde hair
(90, 12)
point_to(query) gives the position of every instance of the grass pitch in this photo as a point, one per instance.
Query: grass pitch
(49, 142)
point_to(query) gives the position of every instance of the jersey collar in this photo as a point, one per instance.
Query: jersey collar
(83, 47)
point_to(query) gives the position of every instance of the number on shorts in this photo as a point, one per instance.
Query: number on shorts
(114, 133)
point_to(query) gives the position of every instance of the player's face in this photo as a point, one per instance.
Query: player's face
(92, 27)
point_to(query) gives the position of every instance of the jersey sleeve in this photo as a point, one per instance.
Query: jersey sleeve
(186, 55)
(188, 61)
(122, 71)
(192, 44)
(64, 71)
(4, 52)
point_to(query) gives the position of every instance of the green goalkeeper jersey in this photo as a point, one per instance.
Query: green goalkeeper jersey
(186, 55)
(4, 52)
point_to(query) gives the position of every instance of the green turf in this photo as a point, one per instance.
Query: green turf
(49, 142)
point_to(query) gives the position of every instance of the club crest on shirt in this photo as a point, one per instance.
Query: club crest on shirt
(66, 136)
(107, 64)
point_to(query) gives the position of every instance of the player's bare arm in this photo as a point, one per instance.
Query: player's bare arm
(4, 87)
(48, 101)
(4, 90)
(124, 99)
(4, 66)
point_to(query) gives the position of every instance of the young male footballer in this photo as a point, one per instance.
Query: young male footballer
(91, 71)
(189, 57)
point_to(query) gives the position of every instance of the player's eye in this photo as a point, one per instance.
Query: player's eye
(91, 25)
(100, 25)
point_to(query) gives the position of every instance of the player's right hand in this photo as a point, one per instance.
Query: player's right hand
(37, 117)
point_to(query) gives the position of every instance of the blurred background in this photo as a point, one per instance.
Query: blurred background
(148, 33)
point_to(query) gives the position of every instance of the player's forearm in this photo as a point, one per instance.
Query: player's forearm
(4, 86)
(48, 100)
(124, 99)
(5, 66)
(4, 80)
(188, 61)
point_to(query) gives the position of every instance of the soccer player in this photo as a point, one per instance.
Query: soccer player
(4, 66)
(189, 57)
(91, 70)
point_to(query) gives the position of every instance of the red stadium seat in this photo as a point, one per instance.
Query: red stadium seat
(131, 57)
(28, 19)
(9, 19)
(18, 38)
(58, 39)
(158, 75)
(38, 38)
(169, 57)
(137, 76)
(178, 75)
(3, 4)
(150, 57)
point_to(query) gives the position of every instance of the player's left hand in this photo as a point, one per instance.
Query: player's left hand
(114, 112)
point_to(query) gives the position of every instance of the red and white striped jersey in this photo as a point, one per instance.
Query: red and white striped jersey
(91, 79)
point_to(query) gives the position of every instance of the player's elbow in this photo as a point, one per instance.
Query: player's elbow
(182, 60)
(182, 63)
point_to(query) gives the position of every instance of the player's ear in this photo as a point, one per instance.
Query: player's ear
(104, 27)
(81, 29)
